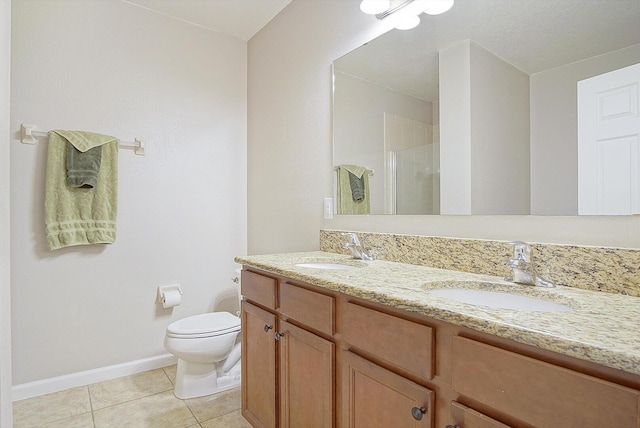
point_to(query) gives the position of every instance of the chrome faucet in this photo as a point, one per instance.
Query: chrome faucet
(524, 271)
(357, 250)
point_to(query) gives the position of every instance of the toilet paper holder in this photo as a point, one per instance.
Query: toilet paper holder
(162, 289)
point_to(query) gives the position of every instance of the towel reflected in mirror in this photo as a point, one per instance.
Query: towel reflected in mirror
(353, 190)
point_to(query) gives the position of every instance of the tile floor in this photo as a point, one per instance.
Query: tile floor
(143, 400)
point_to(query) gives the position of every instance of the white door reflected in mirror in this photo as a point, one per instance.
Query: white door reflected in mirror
(608, 143)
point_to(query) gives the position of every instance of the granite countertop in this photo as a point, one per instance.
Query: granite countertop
(603, 328)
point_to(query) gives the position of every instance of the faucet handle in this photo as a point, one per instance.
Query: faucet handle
(353, 238)
(521, 251)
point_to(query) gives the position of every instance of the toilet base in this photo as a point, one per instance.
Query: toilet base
(197, 380)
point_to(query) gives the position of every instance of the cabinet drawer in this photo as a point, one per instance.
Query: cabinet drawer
(259, 289)
(313, 309)
(399, 342)
(468, 418)
(539, 393)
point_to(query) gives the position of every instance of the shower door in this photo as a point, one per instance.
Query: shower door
(412, 174)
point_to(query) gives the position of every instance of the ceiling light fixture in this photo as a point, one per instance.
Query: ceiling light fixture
(404, 13)
(373, 7)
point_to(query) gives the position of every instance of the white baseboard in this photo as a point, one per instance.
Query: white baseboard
(88, 377)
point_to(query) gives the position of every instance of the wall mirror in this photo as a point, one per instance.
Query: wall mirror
(475, 111)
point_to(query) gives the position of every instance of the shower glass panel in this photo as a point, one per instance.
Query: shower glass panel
(416, 184)
(412, 160)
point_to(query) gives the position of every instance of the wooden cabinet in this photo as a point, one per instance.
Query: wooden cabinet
(258, 366)
(375, 397)
(306, 378)
(259, 289)
(465, 417)
(288, 371)
(537, 393)
(314, 358)
(404, 344)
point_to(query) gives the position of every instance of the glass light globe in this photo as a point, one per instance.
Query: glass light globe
(373, 7)
(408, 22)
(436, 7)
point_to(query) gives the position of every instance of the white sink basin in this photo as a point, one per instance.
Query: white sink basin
(332, 266)
(499, 300)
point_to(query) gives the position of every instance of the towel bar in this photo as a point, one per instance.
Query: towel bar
(369, 171)
(28, 135)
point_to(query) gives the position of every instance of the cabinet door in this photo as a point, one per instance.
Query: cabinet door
(465, 417)
(258, 366)
(376, 397)
(306, 378)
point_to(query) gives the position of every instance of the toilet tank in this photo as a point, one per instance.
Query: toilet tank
(228, 300)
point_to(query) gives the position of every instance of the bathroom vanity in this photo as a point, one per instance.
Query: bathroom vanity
(370, 345)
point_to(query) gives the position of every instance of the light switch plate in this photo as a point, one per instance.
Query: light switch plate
(328, 208)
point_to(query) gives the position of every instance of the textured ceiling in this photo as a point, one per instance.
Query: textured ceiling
(533, 35)
(238, 18)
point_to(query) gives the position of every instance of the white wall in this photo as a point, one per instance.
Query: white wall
(113, 68)
(359, 135)
(5, 250)
(554, 125)
(499, 135)
(484, 133)
(290, 145)
(289, 120)
(455, 129)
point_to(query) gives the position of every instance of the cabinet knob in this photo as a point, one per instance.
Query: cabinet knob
(417, 412)
(279, 335)
(267, 327)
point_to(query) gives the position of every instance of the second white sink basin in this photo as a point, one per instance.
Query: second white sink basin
(331, 266)
(499, 300)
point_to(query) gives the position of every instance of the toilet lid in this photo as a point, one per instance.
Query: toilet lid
(213, 323)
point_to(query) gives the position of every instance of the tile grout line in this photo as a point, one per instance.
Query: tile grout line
(75, 414)
(183, 401)
(130, 401)
(193, 411)
(93, 419)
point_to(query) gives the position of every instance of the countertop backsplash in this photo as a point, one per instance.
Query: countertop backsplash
(612, 270)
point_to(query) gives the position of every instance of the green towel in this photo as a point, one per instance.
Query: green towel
(357, 186)
(79, 215)
(83, 167)
(347, 204)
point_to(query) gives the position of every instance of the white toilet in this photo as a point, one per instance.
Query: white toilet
(208, 351)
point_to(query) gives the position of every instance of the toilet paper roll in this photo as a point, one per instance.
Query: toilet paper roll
(171, 298)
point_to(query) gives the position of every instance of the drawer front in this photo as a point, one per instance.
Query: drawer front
(312, 309)
(465, 417)
(259, 289)
(399, 342)
(539, 393)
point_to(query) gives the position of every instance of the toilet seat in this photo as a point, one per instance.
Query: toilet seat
(204, 325)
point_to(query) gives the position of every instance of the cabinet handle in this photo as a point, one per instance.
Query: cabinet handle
(279, 335)
(417, 412)
(452, 426)
(267, 327)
